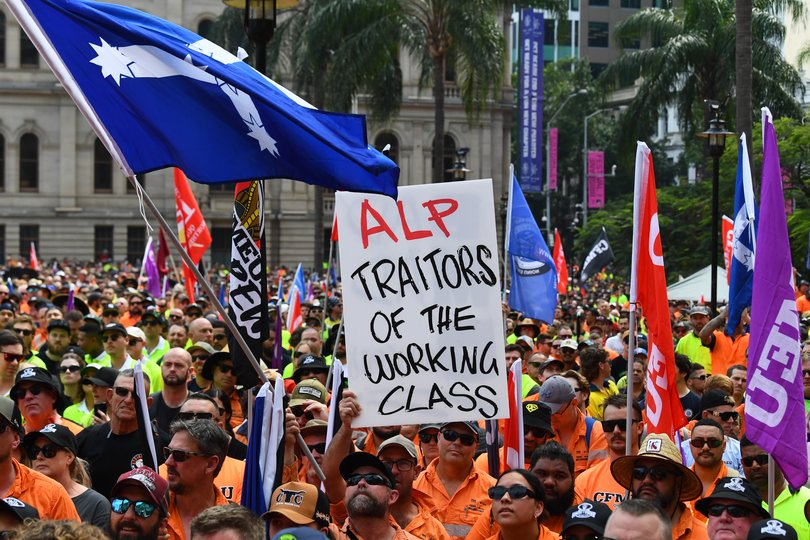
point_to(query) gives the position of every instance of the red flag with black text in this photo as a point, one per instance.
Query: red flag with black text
(191, 228)
(559, 262)
(648, 287)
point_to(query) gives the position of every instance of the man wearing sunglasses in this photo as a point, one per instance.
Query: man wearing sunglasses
(11, 354)
(136, 341)
(23, 326)
(138, 505)
(790, 506)
(152, 323)
(657, 475)
(218, 368)
(734, 505)
(719, 407)
(697, 378)
(37, 395)
(707, 446)
(200, 352)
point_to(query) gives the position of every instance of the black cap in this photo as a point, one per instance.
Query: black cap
(34, 375)
(734, 489)
(212, 361)
(355, 460)
(114, 327)
(59, 324)
(195, 307)
(309, 362)
(537, 414)
(715, 398)
(110, 308)
(588, 513)
(20, 509)
(58, 435)
(769, 529)
(153, 313)
(104, 376)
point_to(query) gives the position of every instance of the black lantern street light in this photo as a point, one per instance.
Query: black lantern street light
(460, 170)
(716, 140)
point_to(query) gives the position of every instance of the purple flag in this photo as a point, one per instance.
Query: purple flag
(150, 269)
(774, 406)
(69, 306)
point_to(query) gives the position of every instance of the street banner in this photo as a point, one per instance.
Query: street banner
(559, 262)
(32, 256)
(774, 403)
(553, 141)
(648, 287)
(596, 179)
(296, 299)
(513, 444)
(150, 269)
(728, 245)
(530, 101)
(598, 257)
(421, 291)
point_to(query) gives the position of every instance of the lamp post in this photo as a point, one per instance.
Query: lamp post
(580, 92)
(459, 169)
(585, 166)
(716, 140)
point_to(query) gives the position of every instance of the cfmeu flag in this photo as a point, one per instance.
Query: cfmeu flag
(32, 255)
(559, 262)
(744, 243)
(533, 274)
(648, 286)
(158, 95)
(191, 228)
(774, 406)
(297, 291)
(265, 453)
(248, 277)
(598, 257)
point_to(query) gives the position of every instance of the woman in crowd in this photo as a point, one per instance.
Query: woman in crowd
(70, 376)
(52, 451)
(517, 506)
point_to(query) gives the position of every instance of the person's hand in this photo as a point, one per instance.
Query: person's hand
(100, 418)
(292, 429)
(348, 408)
(163, 530)
(317, 411)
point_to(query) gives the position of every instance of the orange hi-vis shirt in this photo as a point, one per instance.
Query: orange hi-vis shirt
(485, 527)
(59, 420)
(457, 513)
(229, 479)
(689, 526)
(347, 533)
(722, 473)
(726, 352)
(545, 534)
(424, 525)
(175, 522)
(598, 484)
(482, 462)
(46, 495)
(585, 457)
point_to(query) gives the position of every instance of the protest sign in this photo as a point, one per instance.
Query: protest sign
(422, 309)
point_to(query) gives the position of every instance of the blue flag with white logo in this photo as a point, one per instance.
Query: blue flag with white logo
(158, 95)
(533, 289)
(744, 243)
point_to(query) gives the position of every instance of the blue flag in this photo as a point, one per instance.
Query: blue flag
(744, 243)
(533, 274)
(158, 95)
(265, 452)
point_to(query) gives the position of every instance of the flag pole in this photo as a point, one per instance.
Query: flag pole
(771, 482)
(328, 285)
(215, 302)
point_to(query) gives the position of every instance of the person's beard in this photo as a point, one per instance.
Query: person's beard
(362, 504)
(386, 432)
(558, 505)
(174, 380)
(139, 534)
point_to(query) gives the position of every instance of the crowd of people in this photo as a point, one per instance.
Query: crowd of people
(75, 461)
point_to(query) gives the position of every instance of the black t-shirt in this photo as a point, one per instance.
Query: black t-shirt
(93, 508)
(111, 455)
(162, 413)
(691, 405)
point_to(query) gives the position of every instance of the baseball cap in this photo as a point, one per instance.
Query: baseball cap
(58, 435)
(300, 533)
(715, 398)
(308, 390)
(137, 333)
(472, 426)
(401, 441)
(194, 307)
(34, 375)
(355, 460)
(7, 411)
(21, 510)
(104, 376)
(301, 503)
(735, 489)
(114, 327)
(568, 344)
(639, 351)
(424, 427)
(700, 310)
(110, 308)
(58, 324)
(6, 306)
(309, 362)
(769, 529)
(556, 392)
(148, 479)
(588, 513)
(536, 414)
(153, 313)
(201, 346)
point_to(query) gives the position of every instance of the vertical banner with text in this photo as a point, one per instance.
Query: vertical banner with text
(552, 159)
(421, 293)
(596, 179)
(531, 101)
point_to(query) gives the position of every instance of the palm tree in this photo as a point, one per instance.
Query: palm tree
(694, 60)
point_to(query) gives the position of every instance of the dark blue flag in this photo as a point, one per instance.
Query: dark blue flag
(533, 289)
(158, 95)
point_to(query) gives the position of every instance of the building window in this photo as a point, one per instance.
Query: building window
(631, 4)
(449, 158)
(548, 32)
(221, 245)
(228, 187)
(29, 234)
(141, 180)
(29, 56)
(136, 243)
(2, 163)
(387, 138)
(102, 168)
(29, 162)
(631, 42)
(204, 27)
(599, 3)
(2, 40)
(103, 242)
(598, 34)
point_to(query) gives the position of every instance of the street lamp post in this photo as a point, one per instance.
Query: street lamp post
(716, 140)
(580, 92)
(459, 169)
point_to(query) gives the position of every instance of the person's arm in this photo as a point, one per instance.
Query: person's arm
(707, 334)
(340, 447)
(290, 472)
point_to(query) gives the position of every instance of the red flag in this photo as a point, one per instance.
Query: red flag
(648, 287)
(559, 262)
(34, 262)
(728, 244)
(162, 254)
(513, 427)
(334, 229)
(191, 228)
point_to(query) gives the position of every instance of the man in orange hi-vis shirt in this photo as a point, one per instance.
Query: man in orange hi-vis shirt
(33, 488)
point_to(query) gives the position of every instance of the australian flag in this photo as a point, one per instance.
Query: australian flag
(533, 274)
(158, 95)
(744, 243)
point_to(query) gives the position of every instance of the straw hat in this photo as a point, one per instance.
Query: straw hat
(528, 323)
(660, 447)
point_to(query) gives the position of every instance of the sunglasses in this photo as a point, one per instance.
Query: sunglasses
(320, 448)
(726, 416)
(220, 336)
(132, 342)
(464, 438)
(299, 410)
(225, 368)
(200, 357)
(69, 369)
(13, 357)
(124, 392)
(111, 337)
(761, 459)
(536, 364)
(734, 510)
(609, 426)
(806, 373)
(537, 433)
(23, 332)
(516, 491)
(699, 442)
(180, 455)
(370, 479)
(48, 451)
(428, 438)
(143, 509)
(35, 389)
(175, 317)
(657, 473)
(701, 377)
(195, 416)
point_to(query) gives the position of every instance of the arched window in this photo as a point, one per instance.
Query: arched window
(204, 27)
(29, 162)
(29, 56)
(449, 157)
(387, 138)
(102, 168)
(2, 39)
